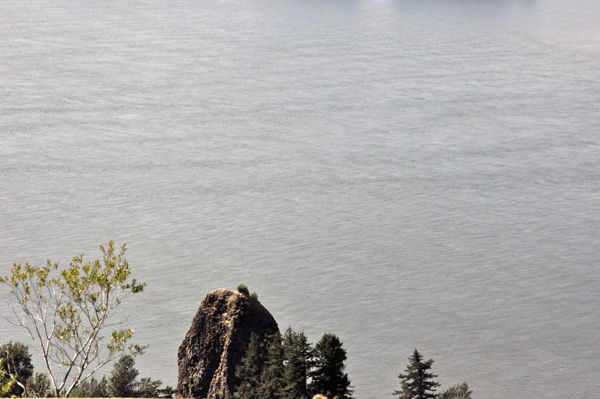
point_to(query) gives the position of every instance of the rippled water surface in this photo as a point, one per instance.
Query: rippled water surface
(406, 174)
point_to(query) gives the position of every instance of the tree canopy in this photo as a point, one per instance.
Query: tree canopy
(92, 388)
(260, 372)
(418, 382)
(123, 379)
(458, 391)
(299, 358)
(17, 365)
(288, 367)
(328, 377)
(38, 385)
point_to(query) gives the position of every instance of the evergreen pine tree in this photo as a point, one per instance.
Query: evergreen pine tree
(260, 372)
(299, 360)
(417, 383)
(91, 389)
(122, 382)
(459, 391)
(328, 377)
(272, 377)
(149, 388)
(249, 370)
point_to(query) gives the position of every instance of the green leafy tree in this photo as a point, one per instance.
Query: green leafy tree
(458, 391)
(299, 359)
(91, 388)
(66, 314)
(38, 385)
(418, 382)
(328, 377)
(17, 362)
(7, 383)
(123, 379)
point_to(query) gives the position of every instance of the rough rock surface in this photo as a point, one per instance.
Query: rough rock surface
(217, 341)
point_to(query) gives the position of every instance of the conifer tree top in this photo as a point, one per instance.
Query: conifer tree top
(418, 382)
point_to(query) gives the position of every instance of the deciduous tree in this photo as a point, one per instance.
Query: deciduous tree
(18, 366)
(66, 312)
(7, 382)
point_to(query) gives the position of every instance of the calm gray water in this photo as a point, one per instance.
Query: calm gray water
(403, 173)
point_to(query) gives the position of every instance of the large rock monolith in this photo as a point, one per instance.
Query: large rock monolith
(217, 341)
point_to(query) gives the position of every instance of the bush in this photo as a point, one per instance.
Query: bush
(242, 289)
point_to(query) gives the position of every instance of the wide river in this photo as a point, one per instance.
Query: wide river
(403, 173)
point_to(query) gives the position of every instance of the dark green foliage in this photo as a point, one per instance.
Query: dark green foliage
(417, 383)
(459, 391)
(17, 362)
(272, 377)
(299, 359)
(277, 367)
(38, 385)
(122, 382)
(167, 392)
(242, 289)
(328, 377)
(261, 370)
(250, 369)
(148, 388)
(91, 389)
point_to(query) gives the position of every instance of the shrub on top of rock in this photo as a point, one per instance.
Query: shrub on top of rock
(242, 289)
